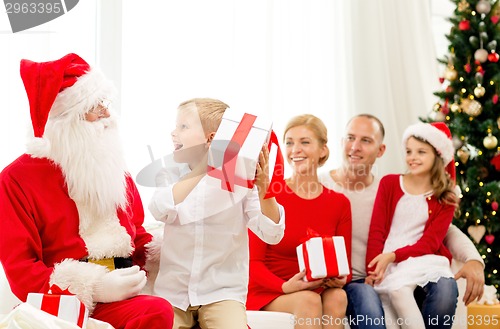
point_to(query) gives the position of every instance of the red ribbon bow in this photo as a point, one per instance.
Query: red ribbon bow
(310, 233)
(56, 290)
(329, 255)
(52, 302)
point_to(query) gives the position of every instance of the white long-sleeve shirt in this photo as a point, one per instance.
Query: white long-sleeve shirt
(204, 255)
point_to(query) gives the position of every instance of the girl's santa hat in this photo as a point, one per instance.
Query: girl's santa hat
(439, 136)
(67, 86)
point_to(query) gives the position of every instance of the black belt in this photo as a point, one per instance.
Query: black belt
(111, 263)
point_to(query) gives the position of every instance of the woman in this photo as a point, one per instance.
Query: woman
(276, 284)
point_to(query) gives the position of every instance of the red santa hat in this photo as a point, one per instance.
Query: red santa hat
(439, 136)
(67, 86)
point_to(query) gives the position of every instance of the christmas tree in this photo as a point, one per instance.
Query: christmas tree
(469, 105)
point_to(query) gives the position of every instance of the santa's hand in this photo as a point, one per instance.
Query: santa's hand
(119, 284)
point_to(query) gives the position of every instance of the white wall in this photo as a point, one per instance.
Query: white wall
(280, 58)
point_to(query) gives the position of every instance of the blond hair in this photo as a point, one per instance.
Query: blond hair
(314, 124)
(209, 110)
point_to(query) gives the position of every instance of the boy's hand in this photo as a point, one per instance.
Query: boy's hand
(269, 206)
(262, 171)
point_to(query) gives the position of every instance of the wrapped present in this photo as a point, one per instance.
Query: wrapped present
(483, 316)
(323, 257)
(61, 303)
(235, 148)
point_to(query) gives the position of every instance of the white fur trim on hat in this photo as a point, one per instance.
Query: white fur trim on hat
(437, 138)
(88, 91)
(38, 147)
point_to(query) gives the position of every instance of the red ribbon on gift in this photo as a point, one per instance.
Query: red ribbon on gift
(279, 168)
(51, 301)
(329, 254)
(56, 290)
(227, 173)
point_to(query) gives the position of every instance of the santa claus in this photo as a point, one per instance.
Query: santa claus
(70, 214)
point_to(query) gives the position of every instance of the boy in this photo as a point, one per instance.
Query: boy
(204, 256)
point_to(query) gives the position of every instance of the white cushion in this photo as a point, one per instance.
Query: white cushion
(269, 320)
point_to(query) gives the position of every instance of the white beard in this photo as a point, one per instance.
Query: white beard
(91, 158)
(92, 161)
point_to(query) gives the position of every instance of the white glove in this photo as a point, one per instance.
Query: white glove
(120, 284)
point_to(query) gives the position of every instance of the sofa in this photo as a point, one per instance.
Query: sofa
(256, 319)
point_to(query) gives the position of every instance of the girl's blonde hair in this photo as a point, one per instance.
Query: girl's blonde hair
(314, 124)
(210, 111)
(442, 185)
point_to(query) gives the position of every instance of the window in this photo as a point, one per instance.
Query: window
(75, 31)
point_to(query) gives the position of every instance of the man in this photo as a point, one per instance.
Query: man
(70, 215)
(362, 145)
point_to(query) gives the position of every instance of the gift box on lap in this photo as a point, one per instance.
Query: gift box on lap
(235, 148)
(323, 257)
(62, 304)
(483, 316)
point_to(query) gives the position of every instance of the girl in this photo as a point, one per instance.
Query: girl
(410, 219)
(275, 281)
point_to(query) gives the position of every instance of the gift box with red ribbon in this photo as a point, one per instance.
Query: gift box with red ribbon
(61, 303)
(235, 148)
(323, 257)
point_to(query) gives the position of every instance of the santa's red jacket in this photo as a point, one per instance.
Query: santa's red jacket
(40, 241)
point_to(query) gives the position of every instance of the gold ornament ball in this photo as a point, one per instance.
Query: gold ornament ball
(463, 154)
(498, 122)
(490, 142)
(450, 73)
(454, 107)
(472, 107)
(479, 91)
